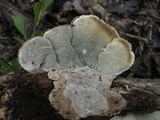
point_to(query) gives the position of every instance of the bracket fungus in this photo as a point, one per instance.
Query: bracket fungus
(86, 56)
(37, 55)
(81, 92)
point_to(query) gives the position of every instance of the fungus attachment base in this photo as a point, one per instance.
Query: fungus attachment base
(83, 92)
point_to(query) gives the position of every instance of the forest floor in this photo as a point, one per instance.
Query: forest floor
(138, 21)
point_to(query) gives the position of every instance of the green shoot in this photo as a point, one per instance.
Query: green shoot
(20, 24)
(39, 9)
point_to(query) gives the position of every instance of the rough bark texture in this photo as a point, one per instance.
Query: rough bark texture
(26, 96)
(143, 95)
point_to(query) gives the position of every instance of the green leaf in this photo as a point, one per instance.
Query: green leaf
(38, 33)
(5, 66)
(21, 41)
(15, 64)
(46, 4)
(20, 24)
(38, 12)
(39, 9)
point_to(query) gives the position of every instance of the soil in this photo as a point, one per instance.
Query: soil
(29, 97)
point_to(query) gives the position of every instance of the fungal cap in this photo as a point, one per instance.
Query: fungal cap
(37, 55)
(116, 58)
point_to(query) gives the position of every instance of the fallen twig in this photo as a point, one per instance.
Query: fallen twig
(135, 37)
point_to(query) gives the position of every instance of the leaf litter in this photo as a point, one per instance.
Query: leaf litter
(136, 20)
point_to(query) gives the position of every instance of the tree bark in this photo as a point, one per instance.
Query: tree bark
(142, 95)
(26, 96)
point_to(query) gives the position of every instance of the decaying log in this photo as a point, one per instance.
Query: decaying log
(143, 95)
(28, 96)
